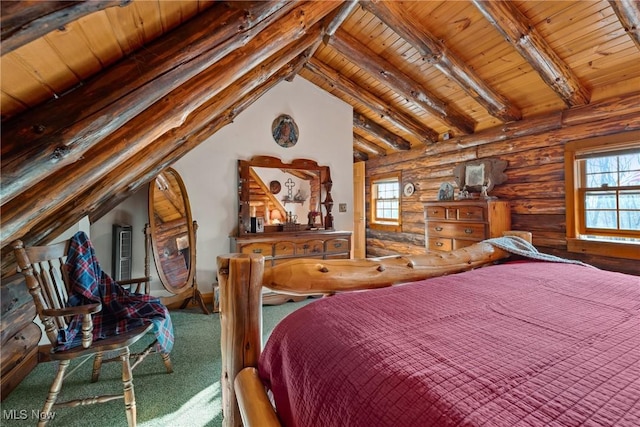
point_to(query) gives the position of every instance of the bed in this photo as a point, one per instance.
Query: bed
(513, 343)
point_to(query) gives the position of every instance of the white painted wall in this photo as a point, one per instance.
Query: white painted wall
(210, 172)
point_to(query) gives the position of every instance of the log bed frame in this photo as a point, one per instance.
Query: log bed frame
(241, 277)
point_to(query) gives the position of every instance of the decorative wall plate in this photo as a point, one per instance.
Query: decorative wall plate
(285, 131)
(408, 189)
(274, 187)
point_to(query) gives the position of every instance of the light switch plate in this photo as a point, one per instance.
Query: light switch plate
(342, 207)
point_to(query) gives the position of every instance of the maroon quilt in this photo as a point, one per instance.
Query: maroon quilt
(519, 344)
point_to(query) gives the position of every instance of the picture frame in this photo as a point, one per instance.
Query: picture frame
(257, 224)
(446, 191)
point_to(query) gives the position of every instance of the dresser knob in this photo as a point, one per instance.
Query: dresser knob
(438, 228)
(257, 251)
(468, 231)
(439, 243)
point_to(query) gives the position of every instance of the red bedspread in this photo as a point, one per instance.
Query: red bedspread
(522, 344)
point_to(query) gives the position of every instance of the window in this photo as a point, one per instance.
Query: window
(385, 202)
(603, 195)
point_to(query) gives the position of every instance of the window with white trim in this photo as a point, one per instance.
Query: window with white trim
(385, 201)
(603, 195)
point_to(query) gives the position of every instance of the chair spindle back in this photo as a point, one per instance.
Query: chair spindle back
(47, 280)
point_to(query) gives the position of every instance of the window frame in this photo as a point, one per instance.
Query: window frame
(575, 211)
(374, 223)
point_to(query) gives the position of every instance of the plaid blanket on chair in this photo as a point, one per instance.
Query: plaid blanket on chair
(121, 309)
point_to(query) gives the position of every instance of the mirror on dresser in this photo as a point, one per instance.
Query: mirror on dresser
(277, 206)
(276, 196)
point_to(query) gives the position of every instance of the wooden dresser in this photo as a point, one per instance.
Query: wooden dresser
(283, 246)
(455, 224)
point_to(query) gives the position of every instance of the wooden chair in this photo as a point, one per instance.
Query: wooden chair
(47, 281)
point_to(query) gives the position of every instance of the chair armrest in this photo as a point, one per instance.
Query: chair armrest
(134, 281)
(255, 406)
(85, 311)
(72, 311)
(138, 282)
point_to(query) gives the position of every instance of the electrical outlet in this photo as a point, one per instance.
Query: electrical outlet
(342, 207)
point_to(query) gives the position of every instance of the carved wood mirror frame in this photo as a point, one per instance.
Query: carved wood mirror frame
(171, 233)
(244, 192)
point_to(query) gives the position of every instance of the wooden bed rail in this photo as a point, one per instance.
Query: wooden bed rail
(241, 277)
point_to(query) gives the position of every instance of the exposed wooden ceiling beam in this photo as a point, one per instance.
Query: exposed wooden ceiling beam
(58, 133)
(389, 75)
(336, 20)
(359, 156)
(162, 116)
(518, 31)
(308, 55)
(210, 118)
(628, 12)
(363, 145)
(340, 17)
(434, 52)
(131, 175)
(388, 138)
(25, 21)
(347, 87)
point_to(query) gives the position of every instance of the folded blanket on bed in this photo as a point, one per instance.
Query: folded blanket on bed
(121, 310)
(519, 246)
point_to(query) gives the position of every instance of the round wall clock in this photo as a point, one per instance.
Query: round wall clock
(408, 189)
(285, 131)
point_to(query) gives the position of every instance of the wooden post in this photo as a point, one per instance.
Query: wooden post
(240, 279)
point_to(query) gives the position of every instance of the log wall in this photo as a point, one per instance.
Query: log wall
(18, 334)
(534, 150)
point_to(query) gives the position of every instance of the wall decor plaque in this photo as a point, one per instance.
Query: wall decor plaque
(445, 192)
(285, 131)
(480, 176)
(275, 187)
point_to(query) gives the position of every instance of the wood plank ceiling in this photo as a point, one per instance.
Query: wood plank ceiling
(89, 80)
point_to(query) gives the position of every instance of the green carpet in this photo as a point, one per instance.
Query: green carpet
(190, 396)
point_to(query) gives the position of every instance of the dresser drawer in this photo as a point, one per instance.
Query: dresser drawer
(337, 245)
(265, 249)
(435, 212)
(310, 247)
(470, 213)
(284, 248)
(439, 244)
(455, 224)
(456, 229)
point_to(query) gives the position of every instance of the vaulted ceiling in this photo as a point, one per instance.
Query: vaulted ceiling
(97, 97)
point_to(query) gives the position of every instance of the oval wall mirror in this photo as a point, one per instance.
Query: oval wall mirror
(172, 232)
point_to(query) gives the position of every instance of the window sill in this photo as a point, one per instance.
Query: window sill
(385, 227)
(608, 249)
